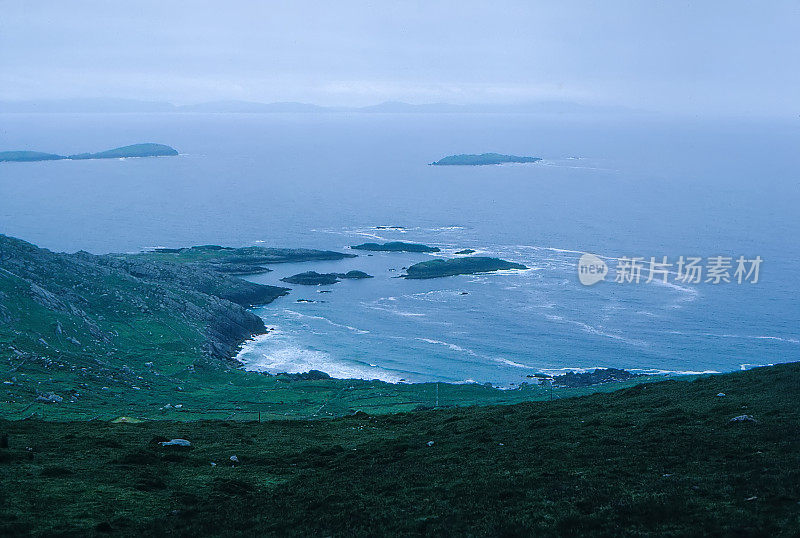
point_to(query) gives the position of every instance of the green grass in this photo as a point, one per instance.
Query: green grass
(659, 459)
(103, 390)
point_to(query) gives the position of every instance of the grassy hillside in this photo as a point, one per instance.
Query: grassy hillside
(652, 460)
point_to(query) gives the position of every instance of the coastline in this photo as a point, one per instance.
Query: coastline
(199, 320)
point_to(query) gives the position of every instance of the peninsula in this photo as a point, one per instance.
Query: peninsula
(482, 159)
(135, 150)
(237, 261)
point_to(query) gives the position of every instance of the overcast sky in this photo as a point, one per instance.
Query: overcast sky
(689, 56)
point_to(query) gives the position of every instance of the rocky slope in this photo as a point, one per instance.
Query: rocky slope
(65, 304)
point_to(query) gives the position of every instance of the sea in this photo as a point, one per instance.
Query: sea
(621, 187)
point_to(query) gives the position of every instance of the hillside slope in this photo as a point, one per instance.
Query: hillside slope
(658, 459)
(80, 304)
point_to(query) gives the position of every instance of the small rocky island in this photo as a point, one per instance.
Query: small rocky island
(482, 159)
(135, 150)
(395, 246)
(312, 278)
(459, 266)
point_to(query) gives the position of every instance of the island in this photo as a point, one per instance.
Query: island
(466, 251)
(482, 159)
(395, 246)
(28, 156)
(313, 278)
(459, 266)
(135, 150)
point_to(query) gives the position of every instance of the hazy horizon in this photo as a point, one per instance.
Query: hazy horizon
(710, 58)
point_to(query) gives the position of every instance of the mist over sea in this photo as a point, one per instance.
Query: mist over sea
(609, 185)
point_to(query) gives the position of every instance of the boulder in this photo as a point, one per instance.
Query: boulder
(176, 442)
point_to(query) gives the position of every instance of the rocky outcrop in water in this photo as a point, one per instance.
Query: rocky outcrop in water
(312, 278)
(587, 379)
(459, 266)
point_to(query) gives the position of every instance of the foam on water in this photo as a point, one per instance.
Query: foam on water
(277, 352)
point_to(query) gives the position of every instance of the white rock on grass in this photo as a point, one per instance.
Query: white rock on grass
(50, 397)
(175, 442)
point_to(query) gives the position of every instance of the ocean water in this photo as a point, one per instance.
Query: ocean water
(614, 186)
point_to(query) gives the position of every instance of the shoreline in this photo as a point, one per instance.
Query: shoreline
(534, 378)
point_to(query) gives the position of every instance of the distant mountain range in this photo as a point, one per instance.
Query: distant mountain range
(102, 105)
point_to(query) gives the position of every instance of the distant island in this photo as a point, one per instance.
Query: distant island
(312, 278)
(482, 159)
(395, 246)
(459, 266)
(135, 150)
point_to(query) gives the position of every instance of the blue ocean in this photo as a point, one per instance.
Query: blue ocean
(615, 186)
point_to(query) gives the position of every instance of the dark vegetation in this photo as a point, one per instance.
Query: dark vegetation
(659, 459)
(586, 379)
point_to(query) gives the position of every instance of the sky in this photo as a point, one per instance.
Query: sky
(727, 56)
